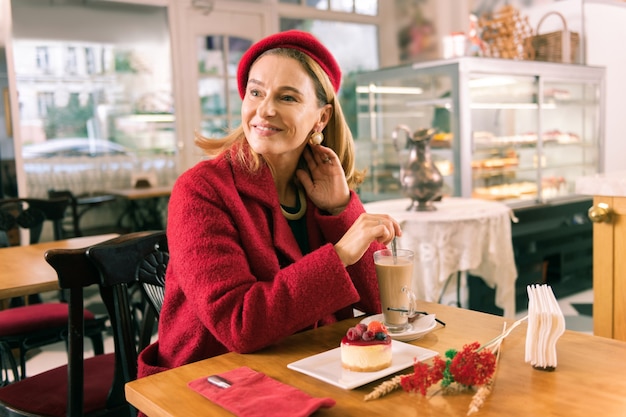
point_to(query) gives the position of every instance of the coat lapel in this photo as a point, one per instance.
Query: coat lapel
(258, 190)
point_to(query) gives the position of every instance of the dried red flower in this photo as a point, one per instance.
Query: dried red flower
(470, 367)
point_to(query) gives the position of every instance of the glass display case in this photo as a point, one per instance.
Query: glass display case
(519, 132)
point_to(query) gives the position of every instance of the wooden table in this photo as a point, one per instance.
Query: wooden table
(589, 378)
(142, 193)
(142, 208)
(24, 270)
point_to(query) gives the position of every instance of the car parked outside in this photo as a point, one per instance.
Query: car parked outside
(73, 147)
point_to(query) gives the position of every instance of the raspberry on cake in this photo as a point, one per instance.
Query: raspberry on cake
(366, 348)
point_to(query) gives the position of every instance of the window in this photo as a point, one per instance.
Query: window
(45, 100)
(43, 62)
(342, 5)
(356, 52)
(358, 49)
(218, 58)
(71, 64)
(365, 7)
(110, 81)
(90, 61)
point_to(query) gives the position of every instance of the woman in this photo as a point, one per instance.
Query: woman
(268, 237)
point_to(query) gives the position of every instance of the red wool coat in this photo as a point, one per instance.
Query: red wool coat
(236, 279)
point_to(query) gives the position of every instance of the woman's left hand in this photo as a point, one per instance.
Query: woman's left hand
(325, 183)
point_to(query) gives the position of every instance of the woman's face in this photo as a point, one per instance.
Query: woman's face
(280, 108)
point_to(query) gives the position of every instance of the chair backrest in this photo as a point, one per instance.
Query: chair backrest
(133, 259)
(75, 272)
(151, 273)
(73, 206)
(114, 265)
(31, 213)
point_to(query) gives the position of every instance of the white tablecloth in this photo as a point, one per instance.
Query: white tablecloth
(463, 234)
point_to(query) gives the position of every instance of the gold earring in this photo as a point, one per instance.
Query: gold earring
(316, 138)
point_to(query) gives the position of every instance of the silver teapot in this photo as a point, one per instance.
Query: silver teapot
(419, 176)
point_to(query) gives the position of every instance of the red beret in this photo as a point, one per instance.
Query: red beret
(294, 39)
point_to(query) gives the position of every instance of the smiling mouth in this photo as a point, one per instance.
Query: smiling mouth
(266, 128)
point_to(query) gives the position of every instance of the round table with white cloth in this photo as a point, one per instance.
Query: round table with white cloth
(463, 234)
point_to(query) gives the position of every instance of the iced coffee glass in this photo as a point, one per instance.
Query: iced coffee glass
(394, 282)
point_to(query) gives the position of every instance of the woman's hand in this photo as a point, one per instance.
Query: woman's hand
(366, 229)
(325, 182)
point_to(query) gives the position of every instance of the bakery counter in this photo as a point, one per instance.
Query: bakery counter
(552, 244)
(608, 215)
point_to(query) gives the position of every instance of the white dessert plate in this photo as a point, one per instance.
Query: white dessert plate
(419, 327)
(326, 366)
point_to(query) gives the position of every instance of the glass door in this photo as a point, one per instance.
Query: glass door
(208, 71)
(218, 57)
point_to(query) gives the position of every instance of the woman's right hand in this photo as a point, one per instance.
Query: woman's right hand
(365, 230)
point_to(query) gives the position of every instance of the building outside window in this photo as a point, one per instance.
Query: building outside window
(71, 62)
(110, 83)
(45, 100)
(90, 61)
(43, 62)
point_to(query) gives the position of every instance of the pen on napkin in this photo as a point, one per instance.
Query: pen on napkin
(218, 381)
(249, 388)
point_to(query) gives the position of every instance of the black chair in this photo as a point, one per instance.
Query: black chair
(7, 364)
(31, 214)
(28, 326)
(114, 266)
(151, 280)
(114, 262)
(78, 207)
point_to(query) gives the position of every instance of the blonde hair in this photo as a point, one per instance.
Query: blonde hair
(337, 134)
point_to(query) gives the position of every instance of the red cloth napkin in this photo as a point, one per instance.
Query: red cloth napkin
(252, 394)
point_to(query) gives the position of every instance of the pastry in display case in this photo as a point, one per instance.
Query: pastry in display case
(519, 132)
(441, 140)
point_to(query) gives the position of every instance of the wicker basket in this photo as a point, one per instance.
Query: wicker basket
(560, 46)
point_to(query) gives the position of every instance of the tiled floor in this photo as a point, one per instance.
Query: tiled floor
(576, 308)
